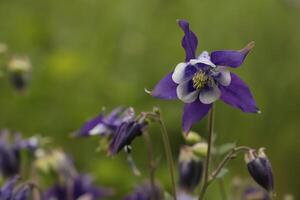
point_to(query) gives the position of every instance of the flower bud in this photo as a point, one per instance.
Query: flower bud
(190, 169)
(200, 149)
(192, 137)
(260, 168)
(20, 71)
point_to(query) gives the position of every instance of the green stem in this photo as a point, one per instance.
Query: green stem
(207, 161)
(151, 164)
(227, 158)
(168, 153)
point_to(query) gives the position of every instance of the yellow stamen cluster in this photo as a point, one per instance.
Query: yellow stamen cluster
(199, 80)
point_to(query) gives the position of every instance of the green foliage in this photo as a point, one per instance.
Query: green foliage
(89, 53)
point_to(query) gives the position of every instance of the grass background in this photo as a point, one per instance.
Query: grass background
(87, 54)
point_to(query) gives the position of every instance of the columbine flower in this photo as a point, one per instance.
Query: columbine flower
(260, 168)
(200, 81)
(20, 72)
(10, 153)
(80, 188)
(9, 192)
(190, 169)
(127, 131)
(102, 125)
(146, 192)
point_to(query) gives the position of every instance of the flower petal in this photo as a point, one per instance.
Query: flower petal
(204, 58)
(189, 41)
(166, 88)
(210, 94)
(238, 95)
(222, 76)
(231, 58)
(193, 112)
(182, 72)
(186, 92)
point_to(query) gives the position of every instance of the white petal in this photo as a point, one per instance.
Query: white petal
(224, 78)
(208, 96)
(184, 95)
(203, 58)
(204, 54)
(178, 74)
(97, 130)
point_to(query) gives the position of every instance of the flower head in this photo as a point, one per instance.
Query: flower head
(190, 169)
(10, 152)
(260, 168)
(20, 72)
(200, 81)
(78, 188)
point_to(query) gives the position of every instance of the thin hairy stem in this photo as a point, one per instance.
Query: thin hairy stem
(227, 158)
(151, 163)
(168, 152)
(207, 161)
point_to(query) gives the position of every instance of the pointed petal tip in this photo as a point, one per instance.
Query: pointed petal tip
(181, 22)
(248, 47)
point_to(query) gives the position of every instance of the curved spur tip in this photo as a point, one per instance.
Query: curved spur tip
(147, 91)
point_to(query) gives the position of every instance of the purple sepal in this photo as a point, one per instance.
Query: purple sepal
(189, 41)
(238, 95)
(193, 112)
(89, 125)
(231, 58)
(124, 135)
(166, 88)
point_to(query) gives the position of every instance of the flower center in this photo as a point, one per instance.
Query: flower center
(200, 79)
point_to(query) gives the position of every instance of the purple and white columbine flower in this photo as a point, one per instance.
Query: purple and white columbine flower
(200, 81)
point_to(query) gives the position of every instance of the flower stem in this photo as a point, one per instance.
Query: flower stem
(207, 161)
(151, 164)
(227, 158)
(168, 153)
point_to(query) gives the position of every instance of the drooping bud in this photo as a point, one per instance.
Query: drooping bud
(129, 129)
(20, 72)
(260, 168)
(190, 169)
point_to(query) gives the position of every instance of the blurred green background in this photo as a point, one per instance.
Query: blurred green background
(87, 54)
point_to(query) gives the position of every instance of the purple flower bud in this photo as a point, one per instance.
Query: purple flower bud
(190, 169)
(260, 168)
(10, 157)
